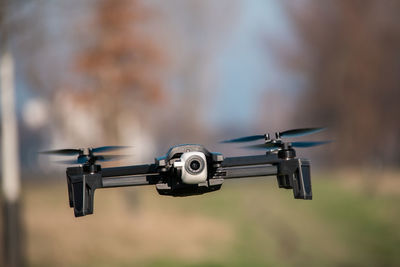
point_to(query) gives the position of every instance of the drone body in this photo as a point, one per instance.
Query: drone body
(189, 170)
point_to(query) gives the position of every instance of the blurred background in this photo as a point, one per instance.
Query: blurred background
(152, 74)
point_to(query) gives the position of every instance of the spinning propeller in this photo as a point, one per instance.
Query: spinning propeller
(86, 156)
(277, 143)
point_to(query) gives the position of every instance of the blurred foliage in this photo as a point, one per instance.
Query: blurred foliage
(348, 54)
(120, 65)
(248, 222)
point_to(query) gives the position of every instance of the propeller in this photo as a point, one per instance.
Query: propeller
(74, 151)
(62, 152)
(101, 158)
(245, 139)
(108, 148)
(86, 155)
(278, 145)
(285, 149)
(300, 132)
(289, 133)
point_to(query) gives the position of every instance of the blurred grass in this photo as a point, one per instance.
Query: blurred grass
(249, 222)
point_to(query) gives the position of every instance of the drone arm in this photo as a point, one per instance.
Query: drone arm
(248, 166)
(81, 188)
(247, 171)
(291, 173)
(82, 183)
(130, 176)
(131, 180)
(250, 160)
(129, 170)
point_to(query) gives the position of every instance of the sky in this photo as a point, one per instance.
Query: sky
(246, 64)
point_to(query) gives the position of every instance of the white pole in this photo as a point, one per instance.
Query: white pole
(9, 137)
(12, 234)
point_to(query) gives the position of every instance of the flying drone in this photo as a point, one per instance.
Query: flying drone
(190, 169)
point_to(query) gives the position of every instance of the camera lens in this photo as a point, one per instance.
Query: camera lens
(195, 165)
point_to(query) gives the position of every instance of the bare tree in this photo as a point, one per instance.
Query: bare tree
(348, 51)
(120, 65)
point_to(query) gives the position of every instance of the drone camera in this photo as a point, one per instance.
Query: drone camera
(193, 166)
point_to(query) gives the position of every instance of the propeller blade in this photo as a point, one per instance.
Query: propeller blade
(310, 144)
(67, 162)
(268, 146)
(300, 132)
(272, 146)
(63, 152)
(100, 158)
(108, 148)
(105, 158)
(245, 139)
(79, 160)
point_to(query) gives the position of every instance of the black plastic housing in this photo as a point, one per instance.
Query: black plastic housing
(295, 174)
(82, 184)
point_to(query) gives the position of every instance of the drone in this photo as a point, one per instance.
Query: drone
(190, 169)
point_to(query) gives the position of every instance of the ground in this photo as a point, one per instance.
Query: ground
(353, 220)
